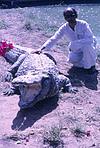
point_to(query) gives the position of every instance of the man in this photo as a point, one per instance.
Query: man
(82, 52)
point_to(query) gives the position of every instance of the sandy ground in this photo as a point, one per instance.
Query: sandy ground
(70, 121)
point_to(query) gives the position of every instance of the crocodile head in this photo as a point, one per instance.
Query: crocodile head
(33, 88)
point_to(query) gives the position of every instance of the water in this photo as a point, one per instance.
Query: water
(50, 18)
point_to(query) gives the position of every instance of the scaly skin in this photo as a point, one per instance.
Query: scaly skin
(37, 77)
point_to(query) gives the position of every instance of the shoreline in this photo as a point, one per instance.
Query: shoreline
(5, 4)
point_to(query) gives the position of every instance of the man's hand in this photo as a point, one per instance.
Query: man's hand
(38, 51)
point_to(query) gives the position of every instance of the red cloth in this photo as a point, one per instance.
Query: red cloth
(4, 46)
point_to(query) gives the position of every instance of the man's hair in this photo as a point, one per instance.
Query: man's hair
(70, 9)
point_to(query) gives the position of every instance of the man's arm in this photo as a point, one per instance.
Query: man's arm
(58, 35)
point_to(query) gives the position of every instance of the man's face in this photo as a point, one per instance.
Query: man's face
(70, 16)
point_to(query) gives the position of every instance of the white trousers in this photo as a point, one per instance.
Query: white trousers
(84, 57)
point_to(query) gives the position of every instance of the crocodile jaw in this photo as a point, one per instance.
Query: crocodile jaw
(28, 94)
(30, 87)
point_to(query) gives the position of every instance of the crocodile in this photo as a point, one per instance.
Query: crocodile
(12, 55)
(36, 77)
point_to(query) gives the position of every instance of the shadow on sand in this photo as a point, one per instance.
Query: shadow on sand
(27, 117)
(79, 78)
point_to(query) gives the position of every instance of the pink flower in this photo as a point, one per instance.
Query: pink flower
(11, 46)
(4, 44)
(2, 51)
(4, 47)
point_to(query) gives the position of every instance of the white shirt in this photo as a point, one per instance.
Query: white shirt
(81, 43)
(81, 35)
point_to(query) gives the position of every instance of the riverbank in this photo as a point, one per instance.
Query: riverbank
(5, 4)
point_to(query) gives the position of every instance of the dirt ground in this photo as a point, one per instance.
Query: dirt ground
(70, 121)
